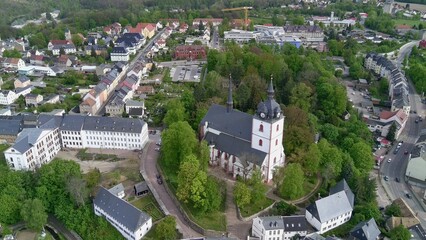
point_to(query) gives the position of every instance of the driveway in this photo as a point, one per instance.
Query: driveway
(148, 165)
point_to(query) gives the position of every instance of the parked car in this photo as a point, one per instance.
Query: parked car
(386, 178)
(159, 180)
(396, 179)
(407, 194)
(389, 160)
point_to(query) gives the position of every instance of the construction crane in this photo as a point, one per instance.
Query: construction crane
(245, 9)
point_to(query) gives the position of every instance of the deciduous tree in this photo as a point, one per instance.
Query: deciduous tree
(292, 185)
(399, 233)
(166, 229)
(242, 195)
(34, 214)
(175, 112)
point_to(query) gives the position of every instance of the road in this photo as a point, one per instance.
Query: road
(148, 165)
(214, 43)
(396, 168)
(140, 57)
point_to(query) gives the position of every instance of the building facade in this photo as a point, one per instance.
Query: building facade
(279, 227)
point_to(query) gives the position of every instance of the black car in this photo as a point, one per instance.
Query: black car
(408, 195)
(396, 179)
(386, 178)
(159, 180)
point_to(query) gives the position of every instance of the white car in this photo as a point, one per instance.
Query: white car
(389, 160)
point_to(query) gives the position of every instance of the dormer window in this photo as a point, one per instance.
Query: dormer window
(261, 128)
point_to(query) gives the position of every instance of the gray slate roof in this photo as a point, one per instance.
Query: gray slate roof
(10, 126)
(26, 139)
(72, 123)
(343, 186)
(235, 146)
(367, 230)
(271, 223)
(122, 211)
(234, 123)
(295, 223)
(330, 207)
(140, 187)
(116, 189)
(113, 124)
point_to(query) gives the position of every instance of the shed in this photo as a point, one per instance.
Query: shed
(141, 189)
(117, 190)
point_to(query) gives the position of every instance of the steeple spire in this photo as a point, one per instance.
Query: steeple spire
(271, 89)
(229, 102)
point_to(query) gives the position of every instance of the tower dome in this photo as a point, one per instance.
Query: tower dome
(269, 109)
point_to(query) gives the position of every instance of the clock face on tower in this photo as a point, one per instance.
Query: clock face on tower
(262, 115)
(278, 114)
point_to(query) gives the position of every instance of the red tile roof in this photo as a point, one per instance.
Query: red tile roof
(60, 42)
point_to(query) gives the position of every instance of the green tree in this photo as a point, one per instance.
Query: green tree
(9, 209)
(331, 160)
(93, 177)
(301, 96)
(175, 112)
(213, 194)
(393, 210)
(188, 171)
(77, 40)
(34, 214)
(242, 195)
(77, 188)
(166, 229)
(312, 160)
(391, 133)
(203, 155)
(292, 185)
(12, 54)
(173, 149)
(284, 209)
(258, 189)
(361, 152)
(399, 233)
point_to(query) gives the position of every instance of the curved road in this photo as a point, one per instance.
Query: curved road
(149, 167)
(396, 168)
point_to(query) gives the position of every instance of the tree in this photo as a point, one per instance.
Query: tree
(393, 210)
(78, 190)
(242, 195)
(400, 233)
(9, 209)
(312, 160)
(258, 189)
(292, 185)
(213, 194)
(93, 177)
(175, 112)
(361, 152)
(166, 229)
(77, 40)
(391, 133)
(34, 214)
(61, 51)
(174, 150)
(284, 209)
(301, 96)
(203, 155)
(331, 160)
(12, 54)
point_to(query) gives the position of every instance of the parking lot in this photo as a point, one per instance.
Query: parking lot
(190, 73)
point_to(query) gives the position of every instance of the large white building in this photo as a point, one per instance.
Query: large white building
(39, 145)
(279, 227)
(332, 211)
(240, 142)
(7, 97)
(34, 147)
(131, 222)
(120, 54)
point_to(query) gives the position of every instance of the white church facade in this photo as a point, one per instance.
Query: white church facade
(240, 142)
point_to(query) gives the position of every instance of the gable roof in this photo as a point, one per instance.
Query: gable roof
(122, 211)
(10, 126)
(116, 189)
(295, 223)
(273, 222)
(343, 186)
(330, 207)
(367, 230)
(27, 138)
(234, 123)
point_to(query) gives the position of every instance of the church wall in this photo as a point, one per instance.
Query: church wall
(260, 143)
(257, 129)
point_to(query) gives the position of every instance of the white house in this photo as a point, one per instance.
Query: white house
(332, 211)
(131, 222)
(240, 142)
(33, 147)
(119, 54)
(118, 190)
(367, 230)
(279, 227)
(7, 97)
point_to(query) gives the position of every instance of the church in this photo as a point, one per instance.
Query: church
(240, 142)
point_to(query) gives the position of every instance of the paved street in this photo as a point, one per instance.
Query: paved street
(148, 165)
(396, 168)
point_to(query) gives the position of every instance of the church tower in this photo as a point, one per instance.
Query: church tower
(68, 35)
(267, 133)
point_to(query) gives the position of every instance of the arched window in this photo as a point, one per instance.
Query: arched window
(278, 127)
(260, 142)
(276, 142)
(261, 128)
(275, 160)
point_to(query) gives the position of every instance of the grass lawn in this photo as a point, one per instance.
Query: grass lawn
(212, 220)
(149, 205)
(151, 234)
(2, 159)
(251, 209)
(309, 184)
(409, 22)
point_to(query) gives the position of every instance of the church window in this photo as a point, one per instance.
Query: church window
(260, 142)
(261, 128)
(275, 160)
(278, 127)
(276, 142)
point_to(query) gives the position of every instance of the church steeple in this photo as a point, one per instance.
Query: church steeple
(229, 102)
(271, 89)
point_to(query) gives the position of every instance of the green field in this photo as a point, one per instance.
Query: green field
(409, 22)
(149, 205)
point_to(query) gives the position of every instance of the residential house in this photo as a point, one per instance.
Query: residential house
(64, 61)
(407, 218)
(206, 21)
(22, 81)
(130, 41)
(7, 97)
(279, 227)
(148, 90)
(367, 230)
(33, 99)
(97, 49)
(120, 54)
(115, 106)
(57, 45)
(160, 43)
(23, 91)
(415, 173)
(146, 29)
(37, 60)
(190, 52)
(5, 112)
(13, 63)
(183, 28)
(52, 99)
(332, 211)
(113, 29)
(131, 222)
(118, 190)
(135, 108)
(170, 22)
(402, 29)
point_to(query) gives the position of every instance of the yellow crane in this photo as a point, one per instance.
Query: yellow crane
(245, 9)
